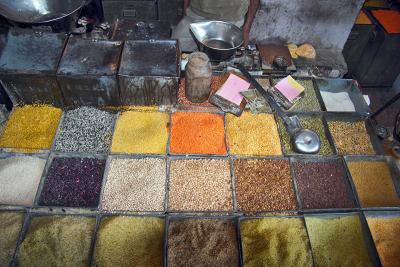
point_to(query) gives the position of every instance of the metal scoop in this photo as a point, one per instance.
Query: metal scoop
(304, 141)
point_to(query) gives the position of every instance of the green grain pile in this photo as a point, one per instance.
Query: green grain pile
(10, 227)
(275, 242)
(311, 122)
(309, 102)
(57, 241)
(130, 241)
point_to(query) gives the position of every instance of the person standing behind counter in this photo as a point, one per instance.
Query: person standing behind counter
(239, 12)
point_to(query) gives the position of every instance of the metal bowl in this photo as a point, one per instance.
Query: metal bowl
(218, 39)
(38, 11)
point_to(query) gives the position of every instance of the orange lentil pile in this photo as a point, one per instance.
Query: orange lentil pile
(197, 133)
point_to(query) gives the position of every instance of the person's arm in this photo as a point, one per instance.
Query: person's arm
(251, 13)
(186, 4)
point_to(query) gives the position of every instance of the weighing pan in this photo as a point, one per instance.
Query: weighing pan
(38, 11)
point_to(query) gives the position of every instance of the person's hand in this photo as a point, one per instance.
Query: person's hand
(246, 36)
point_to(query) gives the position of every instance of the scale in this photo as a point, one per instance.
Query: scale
(304, 141)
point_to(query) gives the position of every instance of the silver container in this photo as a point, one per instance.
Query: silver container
(218, 39)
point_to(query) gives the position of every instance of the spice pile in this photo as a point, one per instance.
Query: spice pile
(200, 185)
(351, 138)
(337, 240)
(135, 185)
(19, 179)
(141, 132)
(374, 183)
(73, 182)
(275, 242)
(57, 241)
(264, 185)
(310, 122)
(244, 140)
(85, 129)
(10, 227)
(197, 133)
(130, 241)
(202, 242)
(385, 231)
(30, 128)
(309, 102)
(322, 184)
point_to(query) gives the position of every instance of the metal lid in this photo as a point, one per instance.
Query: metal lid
(32, 52)
(90, 57)
(150, 58)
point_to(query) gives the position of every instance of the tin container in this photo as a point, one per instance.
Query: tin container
(149, 72)
(130, 29)
(88, 72)
(28, 66)
(349, 87)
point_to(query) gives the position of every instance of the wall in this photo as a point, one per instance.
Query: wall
(323, 23)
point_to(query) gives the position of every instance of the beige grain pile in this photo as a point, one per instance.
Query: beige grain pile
(135, 185)
(200, 185)
(19, 179)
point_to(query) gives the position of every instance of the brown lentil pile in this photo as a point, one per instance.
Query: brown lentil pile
(200, 185)
(337, 241)
(264, 185)
(275, 242)
(309, 102)
(351, 138)
(310, 122)
(202, 242)
(321, 184)
(374, 183)
(386, 231)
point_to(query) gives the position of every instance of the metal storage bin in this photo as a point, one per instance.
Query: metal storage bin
(128, 29)
(28, 66)
(149, 72)
(88, 72)
(129, 9)
(170, 10)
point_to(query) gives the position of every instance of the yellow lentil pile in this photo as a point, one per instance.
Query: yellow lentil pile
(130, 241)
(31, 128)
(141, 132)
(373, 183)
(337, 241)
(351, 138)
(10, 227)
(57, 241)
(275, 242)
(386, 231)
(253, 135)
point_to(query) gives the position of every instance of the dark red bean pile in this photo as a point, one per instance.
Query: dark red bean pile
(321, 185)
(73, 182)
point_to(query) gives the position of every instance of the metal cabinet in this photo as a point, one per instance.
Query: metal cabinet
(170, 10)
(129, 9)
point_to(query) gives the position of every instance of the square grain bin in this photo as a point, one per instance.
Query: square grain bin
(88, 72)
(149, 72)
(28, 66)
